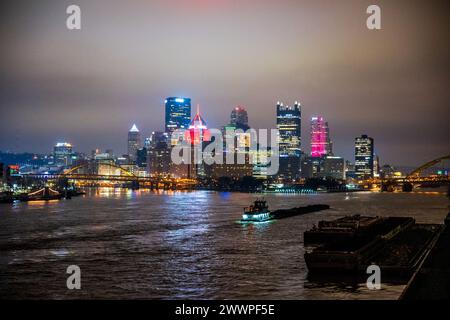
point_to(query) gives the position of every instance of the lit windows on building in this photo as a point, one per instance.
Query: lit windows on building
(289, 140)
(134, 143)
(178, 114)
(320, 138)
(364, 157)
(239, 118)
(333, 167)
(62, 154)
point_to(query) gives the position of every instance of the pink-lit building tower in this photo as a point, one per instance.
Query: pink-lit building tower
(320, 138)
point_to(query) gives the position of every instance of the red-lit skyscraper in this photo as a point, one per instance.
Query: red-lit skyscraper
(198, 131)
(320, 138)
(197, 135)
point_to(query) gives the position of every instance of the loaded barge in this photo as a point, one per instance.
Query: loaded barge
(350, 244)
(259, 212)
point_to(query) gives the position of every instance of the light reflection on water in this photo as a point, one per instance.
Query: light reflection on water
(180, 244)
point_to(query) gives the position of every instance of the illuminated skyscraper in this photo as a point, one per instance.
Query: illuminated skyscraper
(134, 143)
(376, 166)
(178, 113)
(197, 136)
(320, 138)
(364, 157)
(198, 131)
(289, 140)
(238, 123)
(329, 144)
(333, 167)
(62, 154)
(156, 138)
(158, 158)
(239, 118)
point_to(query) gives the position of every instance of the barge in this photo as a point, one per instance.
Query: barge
(259, 212)
(396, 244)
(348, 228)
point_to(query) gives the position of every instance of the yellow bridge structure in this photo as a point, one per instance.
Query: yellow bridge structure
(84, 174)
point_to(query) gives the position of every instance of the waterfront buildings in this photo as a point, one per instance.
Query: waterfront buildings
(333, 167)
(159, 160)
(323, 167)
(261, 162)
(158, 155)
(364, 157)
(141, 158)
(289, 140)
(234, 170)
(349, 170)
(134, 143)
(387, 171)
(98, 155)
(376, 166)
(311, 167)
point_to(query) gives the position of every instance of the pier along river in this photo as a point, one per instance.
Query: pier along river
(182, 245)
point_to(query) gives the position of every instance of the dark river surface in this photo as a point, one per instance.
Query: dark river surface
(182, 245)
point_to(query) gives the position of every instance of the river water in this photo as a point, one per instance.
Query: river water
(182, 245)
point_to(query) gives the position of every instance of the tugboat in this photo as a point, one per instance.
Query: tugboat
(258, 212)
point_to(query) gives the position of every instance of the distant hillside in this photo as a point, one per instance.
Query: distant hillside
(21, 158)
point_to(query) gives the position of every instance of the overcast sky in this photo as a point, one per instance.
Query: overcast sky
(89, 86)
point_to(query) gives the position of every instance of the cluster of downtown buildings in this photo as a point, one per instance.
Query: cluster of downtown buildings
(321, 162)
(151, 156)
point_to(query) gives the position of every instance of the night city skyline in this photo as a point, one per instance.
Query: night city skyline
(224, 158)
(90, 87)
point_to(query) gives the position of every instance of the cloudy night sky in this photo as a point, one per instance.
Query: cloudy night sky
(89, 86)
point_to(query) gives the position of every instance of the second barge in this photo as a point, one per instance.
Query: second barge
(350, 244)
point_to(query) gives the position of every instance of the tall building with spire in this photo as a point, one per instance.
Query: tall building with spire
(134, 143)
(196, 135)
(197, 132)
